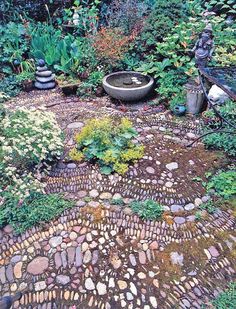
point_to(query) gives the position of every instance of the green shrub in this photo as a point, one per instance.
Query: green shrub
(109, 144)
(164, 16)
(227, 299)
(35, 209)
(10, 87)
(13, 45)
(224, 184)
(148, 209)
(223, 141)
(125, 14)
(65, 53)
(30, 139)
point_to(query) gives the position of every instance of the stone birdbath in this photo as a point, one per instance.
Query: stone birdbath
(128, 85)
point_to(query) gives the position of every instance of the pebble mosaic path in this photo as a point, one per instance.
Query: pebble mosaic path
(99, 255)
(114, 260)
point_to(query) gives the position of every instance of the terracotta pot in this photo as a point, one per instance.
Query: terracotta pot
(27, 85)
(99, 92)
(69, 89)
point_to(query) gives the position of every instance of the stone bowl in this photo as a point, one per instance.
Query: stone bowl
(128, 85)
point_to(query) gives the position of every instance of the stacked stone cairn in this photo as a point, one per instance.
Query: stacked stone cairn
(44, 77)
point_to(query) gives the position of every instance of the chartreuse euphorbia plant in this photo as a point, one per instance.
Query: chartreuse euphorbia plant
(108, 142)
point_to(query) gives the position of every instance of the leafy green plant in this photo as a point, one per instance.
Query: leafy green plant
(147, 209)
(224, 141)
(35, 210)
(108, 143)
(9, 86)
(24, 76)
(118, 201)
(170, 62)
(46, 43)
(208, 206)
(225, 41)
(90, 86)
(198, 215)
(221, 140)
(84, 51)
(68, 55)
(224, 184)
(226, 299)
(68, 60)
(130, 62)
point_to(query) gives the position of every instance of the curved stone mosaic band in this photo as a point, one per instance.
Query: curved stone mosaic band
(118, 261)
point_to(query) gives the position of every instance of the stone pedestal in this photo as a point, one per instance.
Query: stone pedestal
(195, 98)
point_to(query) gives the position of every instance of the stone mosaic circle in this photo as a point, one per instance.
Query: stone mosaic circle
(98, 255)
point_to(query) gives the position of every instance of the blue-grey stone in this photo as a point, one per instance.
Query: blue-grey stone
(78, 257)
(176, 208)
(45, 86)
(189, 206)
(179, 220)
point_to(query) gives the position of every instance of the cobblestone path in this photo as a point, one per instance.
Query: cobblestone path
(98, 255)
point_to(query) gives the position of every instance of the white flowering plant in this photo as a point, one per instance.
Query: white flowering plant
(29, 140)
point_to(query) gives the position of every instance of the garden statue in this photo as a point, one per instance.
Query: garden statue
(75, 17)
(204, 47)
(44, 77)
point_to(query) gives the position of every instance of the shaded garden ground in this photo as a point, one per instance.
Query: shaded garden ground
(101, 255)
